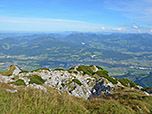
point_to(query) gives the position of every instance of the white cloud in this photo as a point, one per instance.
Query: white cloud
(102, 28)
(117, 29)
(151, 30)
(135, 26)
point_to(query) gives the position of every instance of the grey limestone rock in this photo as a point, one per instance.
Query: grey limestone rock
(74, 82)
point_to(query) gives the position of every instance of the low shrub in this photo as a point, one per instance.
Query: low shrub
(75, 72)
(112, 80)
(85, 69)
(36, 79)
(91, 65)
(104, 74)
(15, 77)
(60, 69)
(77, 81)
(19, 82)
(72, 68)
(126, 82)
(69, 71)
(147, 89)
(99, 67)
(24, 71)
(62, 84)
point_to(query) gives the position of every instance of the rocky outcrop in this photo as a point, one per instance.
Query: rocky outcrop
(80, 81)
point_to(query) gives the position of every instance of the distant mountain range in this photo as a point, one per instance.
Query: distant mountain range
(121, 54)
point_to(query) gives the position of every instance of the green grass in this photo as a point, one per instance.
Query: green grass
(33, 101)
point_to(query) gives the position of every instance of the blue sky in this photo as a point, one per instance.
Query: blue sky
(76, 15)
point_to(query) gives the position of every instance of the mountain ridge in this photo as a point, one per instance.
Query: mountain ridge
(89, 88)
(81, 81)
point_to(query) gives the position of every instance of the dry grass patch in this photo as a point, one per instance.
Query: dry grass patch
(9, 72)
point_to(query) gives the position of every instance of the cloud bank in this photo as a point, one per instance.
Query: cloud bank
(59, 25)
(41, 24)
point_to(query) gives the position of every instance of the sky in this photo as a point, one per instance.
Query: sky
(126, 16)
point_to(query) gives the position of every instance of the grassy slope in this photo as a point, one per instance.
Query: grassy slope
(29, 101)
(9, 72)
